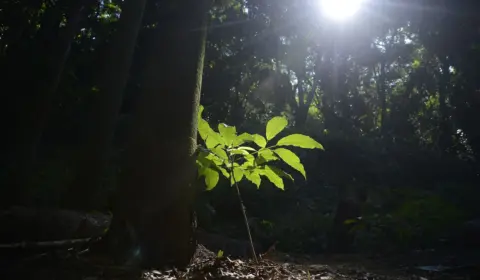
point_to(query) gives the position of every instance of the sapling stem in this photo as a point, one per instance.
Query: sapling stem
(243, 212)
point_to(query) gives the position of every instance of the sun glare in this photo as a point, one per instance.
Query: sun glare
(340, 9)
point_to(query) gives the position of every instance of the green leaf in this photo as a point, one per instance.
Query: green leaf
(236, 151)
(299, 140)
(211, 178)
(237, 175)
(213, 141)
(282, 173)
(219, 152)
(275, 126)
(229, 133)
(246, 148)
(215, 160)
(272, 177)
(203, 128)
(200, 111)
(220, 254)
(259, 140)
(249, 161)
(223, 170)
(291, 159)
(265, 155)
(254, 177)
(211, 138)
(202, 159)
(243, 138)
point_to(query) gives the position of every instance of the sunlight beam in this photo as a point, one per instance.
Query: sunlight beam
(340, 9)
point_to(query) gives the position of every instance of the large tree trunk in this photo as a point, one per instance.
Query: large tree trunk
(112, 81)
(156, 185)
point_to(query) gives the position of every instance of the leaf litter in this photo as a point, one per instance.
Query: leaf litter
(207, 265)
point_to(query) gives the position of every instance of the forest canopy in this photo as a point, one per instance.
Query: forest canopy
(97, 105)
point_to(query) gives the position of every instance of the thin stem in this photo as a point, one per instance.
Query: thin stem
(243, 212)
(266, 148)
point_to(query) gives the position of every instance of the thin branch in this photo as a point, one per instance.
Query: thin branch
(45, 243)
(243, 212)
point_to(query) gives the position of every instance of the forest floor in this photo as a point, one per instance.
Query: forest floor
(206, 265)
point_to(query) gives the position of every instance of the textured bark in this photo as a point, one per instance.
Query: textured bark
(112, 81)
(156, 187)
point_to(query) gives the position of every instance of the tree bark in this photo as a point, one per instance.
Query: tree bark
(111, 82)
(155, 194)
(301, 115)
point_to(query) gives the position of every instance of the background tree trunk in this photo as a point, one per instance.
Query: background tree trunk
(36, 75)
(156, 187)
(112, 80)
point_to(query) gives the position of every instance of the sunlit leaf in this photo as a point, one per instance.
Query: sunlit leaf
(211, 178)
(211, 138)
(200, 111)
(259, 140)
(203, 128)
(237, 175)
(281, 173)
(266, 155)
(243, 138)
(223, 170)
(236, 151)
(249, 161)
(246, 148)
(272, 177)
(275, 126)
(220, 153)
(291, 159)
(299, 140)
(254, 177)
(416, 63)
(215, 159)
(229, 133)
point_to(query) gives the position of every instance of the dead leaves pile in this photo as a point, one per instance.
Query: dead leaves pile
(207, 266)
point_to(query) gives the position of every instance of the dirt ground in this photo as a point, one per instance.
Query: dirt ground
(206, 265)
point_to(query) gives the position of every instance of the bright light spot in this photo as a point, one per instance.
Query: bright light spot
(340, 9)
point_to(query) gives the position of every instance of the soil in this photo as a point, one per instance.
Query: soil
(276, 265)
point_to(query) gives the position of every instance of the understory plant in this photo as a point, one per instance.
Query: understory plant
(248, 156)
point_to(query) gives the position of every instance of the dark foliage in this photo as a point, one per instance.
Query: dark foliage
(393, 94)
